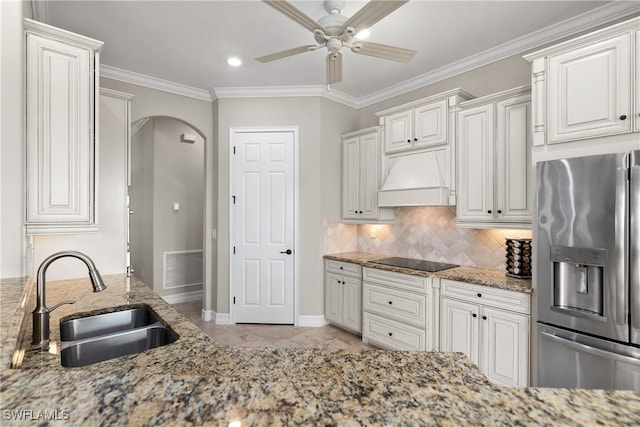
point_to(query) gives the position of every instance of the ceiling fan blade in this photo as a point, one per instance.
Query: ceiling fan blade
(294, 13)
(285, 53)
(372, 12)
(384, 51)
(334, 68)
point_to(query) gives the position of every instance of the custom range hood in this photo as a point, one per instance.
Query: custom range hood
(416, 180)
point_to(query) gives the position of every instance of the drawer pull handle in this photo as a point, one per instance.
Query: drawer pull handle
(341, 268)
(623, 117)
(474, 315)
(479, 295)
(390, 334)
(390, 302)
(484, 317)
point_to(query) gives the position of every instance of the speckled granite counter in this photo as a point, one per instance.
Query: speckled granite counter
(477, 275)
(194, 381)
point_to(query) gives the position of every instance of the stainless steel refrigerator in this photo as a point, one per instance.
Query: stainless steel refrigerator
(588, 272)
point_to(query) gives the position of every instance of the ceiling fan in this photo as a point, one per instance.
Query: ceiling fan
(336, 31)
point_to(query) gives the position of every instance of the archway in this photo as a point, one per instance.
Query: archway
(166, 199)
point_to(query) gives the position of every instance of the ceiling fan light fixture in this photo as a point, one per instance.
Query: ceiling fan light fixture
(234, 61)
(363, 34)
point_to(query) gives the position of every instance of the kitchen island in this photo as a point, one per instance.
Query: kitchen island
(195, 381)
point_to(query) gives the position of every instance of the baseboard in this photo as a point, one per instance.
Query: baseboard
(312, 321)
(216, 318)
(208, 315)
(183, 297)
(223, 319)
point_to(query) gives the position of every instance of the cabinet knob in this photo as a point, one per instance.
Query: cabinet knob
(479, 295)
(390, 302)
(489, 211)
(474, 315)
(623, 117)
(499, 210)
(390, 334)
(484, 317)
(408, 141)
(415, 139)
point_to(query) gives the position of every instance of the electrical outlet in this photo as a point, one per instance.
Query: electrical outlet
(372, 232)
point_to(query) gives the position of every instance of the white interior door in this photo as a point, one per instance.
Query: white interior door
(263, 218)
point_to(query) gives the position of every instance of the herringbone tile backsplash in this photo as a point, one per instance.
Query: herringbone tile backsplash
(424, 233)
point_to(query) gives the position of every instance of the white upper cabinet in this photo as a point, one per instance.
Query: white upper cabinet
(419, 124)
(61, 111)
(591, 88)
(360, 177)
(418, 127)
(495, 173)
(584, 88)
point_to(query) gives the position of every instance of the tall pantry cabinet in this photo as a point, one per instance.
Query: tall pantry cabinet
(61, 131)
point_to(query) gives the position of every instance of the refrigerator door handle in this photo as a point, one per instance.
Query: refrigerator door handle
(591, 350)
(634, 244)
(622, 243)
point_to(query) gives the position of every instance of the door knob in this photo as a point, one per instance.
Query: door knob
(288, 252)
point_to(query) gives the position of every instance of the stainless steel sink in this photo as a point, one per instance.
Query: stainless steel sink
(95, 338)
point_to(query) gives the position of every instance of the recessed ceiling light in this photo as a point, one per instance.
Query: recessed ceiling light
(363, 34)
(234, 61)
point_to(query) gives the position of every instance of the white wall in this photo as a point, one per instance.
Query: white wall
(12, 160)
(320, 123)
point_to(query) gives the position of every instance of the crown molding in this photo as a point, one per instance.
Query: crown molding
(284, 92)
(553, 33)
(139, 79)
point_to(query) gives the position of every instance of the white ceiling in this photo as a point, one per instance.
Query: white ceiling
(188, 42)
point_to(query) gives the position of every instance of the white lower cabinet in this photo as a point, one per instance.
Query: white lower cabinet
(343, 294)
(490, 326)
(397, 310)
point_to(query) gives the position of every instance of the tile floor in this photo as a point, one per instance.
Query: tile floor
(272, 335)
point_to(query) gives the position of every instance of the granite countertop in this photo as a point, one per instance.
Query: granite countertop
(476, 275)
(195, 381)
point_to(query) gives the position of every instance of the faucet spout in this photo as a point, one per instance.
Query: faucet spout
(41, 313)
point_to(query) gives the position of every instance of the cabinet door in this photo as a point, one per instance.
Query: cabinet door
(60, 145)
(398, 132)
(351, 178)
(475, 164)
(369, 176)
(352, 304)
(505, 347)
(430, 124)
(459, 328)
(590, 90)
(514, 170)
(333, 297)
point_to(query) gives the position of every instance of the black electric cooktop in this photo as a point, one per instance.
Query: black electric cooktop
(415, 264)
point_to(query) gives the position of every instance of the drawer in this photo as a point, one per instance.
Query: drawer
(403, 306)
(486, 295)
(391, 334)
(342, 267)
(397, 280)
